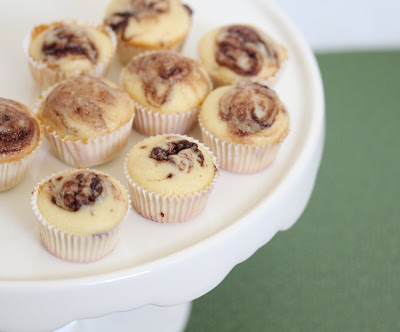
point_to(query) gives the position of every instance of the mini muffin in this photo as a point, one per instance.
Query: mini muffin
(170, 177)
(20, 138)
(168, 89)
(144, 25)
(86, 119)
(236, 53)
(244, 126)
(65, 49)
(79, 213)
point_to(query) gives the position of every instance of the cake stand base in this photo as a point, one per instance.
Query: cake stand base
(146, 319)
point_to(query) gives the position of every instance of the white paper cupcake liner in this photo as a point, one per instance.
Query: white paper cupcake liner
(240, 158)
(170, 209)
(46, 76)
(127, 51)
(70, 246)
(150, 122)
(14, 172)
(87, 152)
(90, 152)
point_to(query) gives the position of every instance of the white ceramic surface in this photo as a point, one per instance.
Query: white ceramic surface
(145, 319)
(154, 263)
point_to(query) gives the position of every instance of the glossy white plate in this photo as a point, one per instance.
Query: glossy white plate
(154, 263)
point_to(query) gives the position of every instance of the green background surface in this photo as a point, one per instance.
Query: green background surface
(338, 267)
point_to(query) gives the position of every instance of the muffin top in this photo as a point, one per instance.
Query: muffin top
(171, 165)
(240, 52)
(20, 131)
(85, 107)
(71, 47)
(155, 24)
(166, 81)
(250, 113)
(82, 201)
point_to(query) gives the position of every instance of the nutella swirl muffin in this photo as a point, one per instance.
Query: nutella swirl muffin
(237, 53)
(86, 119)
(244, 126)
(79, 213)
(170, 177)
(20, 138)
(143, 25)
(168, 89)
(67, 49)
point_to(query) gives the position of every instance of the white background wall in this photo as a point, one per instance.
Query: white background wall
(346, 24)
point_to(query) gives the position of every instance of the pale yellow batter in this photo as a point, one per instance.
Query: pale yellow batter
(71, 47)
(85, 107)
(83, 201)
(171, 165)
(155, 24)
(240, 52)
(166, 81)
(249, 110)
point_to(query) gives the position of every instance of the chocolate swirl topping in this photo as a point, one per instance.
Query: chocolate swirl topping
(79, 189)
(159, 71)
(241, 49)
(138, 10)
(68, 39)
(249, 108)
(17, 128)
(79, 100)
(180, 153)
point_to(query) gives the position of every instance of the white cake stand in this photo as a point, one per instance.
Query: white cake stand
(154, 264)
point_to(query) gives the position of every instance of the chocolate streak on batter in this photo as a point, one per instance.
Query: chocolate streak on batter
(239, 48)
(249, 108)
(16, 128)
(180, 153)
(138, 10)
(80, 100)
(159, 72)
(79, 189)
(68, 39)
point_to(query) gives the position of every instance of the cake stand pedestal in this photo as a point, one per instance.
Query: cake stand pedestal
(155, 268)
(149, 318)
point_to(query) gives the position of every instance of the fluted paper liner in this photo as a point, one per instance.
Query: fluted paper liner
(12, 173)
(46, 76)
(240, 158)
(86, 152)
(71, 246)
(126, 51)
(150, 122)
(170, 209)
(90, 152)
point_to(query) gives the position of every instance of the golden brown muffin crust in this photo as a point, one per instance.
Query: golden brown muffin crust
(84, 100)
